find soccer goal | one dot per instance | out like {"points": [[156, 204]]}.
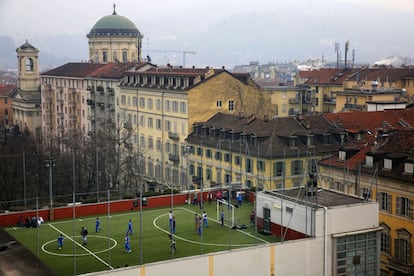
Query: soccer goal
{"points": [[228, 210]]}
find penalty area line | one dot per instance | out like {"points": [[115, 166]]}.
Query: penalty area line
{"points": [[81, 246]]}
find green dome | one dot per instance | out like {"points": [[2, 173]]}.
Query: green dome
{"points": [[114, 25]]}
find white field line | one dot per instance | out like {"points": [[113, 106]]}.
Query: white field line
{"points": [[83, 247], [248, 234]]}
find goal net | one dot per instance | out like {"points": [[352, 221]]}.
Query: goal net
{"points": [[228, 212]]}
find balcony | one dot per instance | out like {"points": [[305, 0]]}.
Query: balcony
{"points": [[294, 100], [90, 102], [401, 267], [110, 90], [173, 157], [60, 114], [59, 100], [72, 103], [73, 117], [100, 89], [91, 89], [100, 104], [173, 135], [111, 107], [72, 90], [196, 179]]}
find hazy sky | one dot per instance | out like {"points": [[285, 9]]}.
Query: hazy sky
{"points": [[225, 32]]}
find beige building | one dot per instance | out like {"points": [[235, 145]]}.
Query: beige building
{"points": [[27, 109], [160, 105], [114, 38]]}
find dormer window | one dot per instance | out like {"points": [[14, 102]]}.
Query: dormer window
{"points": [[408, 168], [342, 137], [327, 139], [359, 136], [387, 164], [253, 140], [342, 155], [310, 140], [293, 141], [369, 160]]}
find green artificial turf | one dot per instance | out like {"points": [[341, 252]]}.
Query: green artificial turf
{"points": [[105, 249]]}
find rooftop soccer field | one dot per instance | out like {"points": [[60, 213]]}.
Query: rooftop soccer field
{"points": [[105, 249]]}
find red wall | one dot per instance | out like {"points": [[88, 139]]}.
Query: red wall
{"points": [[277, 231], [81, 210]]}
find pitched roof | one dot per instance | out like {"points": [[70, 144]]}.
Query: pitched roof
{"points": [[115, 70], [326, 76], [273, 135], [75, 70], [383, 74], [7, 89], [374, 121]]}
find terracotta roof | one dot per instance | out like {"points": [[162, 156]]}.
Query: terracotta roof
{"points": [[383, 74], [6, 89], [76, 70], [372, 122]]}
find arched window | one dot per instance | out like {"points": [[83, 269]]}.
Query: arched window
{"points": [[29, 64]]}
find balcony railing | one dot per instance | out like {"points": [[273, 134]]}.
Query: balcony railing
{"points": [[174, 157], [173, 135], [294, 100]]}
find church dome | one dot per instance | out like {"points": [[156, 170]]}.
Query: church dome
{"points": [[114, 25]]}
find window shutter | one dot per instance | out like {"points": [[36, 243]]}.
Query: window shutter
{"points": [[410, 209], [397, 248], [388, 203]]}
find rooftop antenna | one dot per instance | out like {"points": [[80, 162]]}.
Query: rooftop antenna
{"points": [[337, 54], [346, 52], [353, 58]]}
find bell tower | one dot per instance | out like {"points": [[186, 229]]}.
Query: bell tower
{"points": [[28, 69]]}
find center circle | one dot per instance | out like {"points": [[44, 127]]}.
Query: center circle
{"points": [[72, 239]]}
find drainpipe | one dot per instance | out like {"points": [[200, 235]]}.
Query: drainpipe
{"points": [[325, 238]]}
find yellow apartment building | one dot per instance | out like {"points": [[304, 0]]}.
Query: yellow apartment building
{"points": [[381, 168]]}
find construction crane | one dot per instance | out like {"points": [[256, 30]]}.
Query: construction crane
{"points": [[184, 53]]}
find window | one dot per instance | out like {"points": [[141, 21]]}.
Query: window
{"points": [[124, 56], [278, 168], [384, 200], [385, 239], [115, 55], [104, 56], [219, 104], [404, 206], [123, 100], [366, 193], [356, 254], [208, 153], [284, 108], [150, 123], [408, 168], [208, 174], [158, 104], [167, 105], [327, 138], [158, 145], [29, 64], [150, 142], [183, 107], [167, 125], [249, 165], [135, 101], [158, 124], [369, 160], [293, 142], [342, 155], [237, 160], [387, 164], [199, 151], [141, 102], [310, 140], [217, 155], [296, 167], [231, 105], [175, 106], [142, 121], [227, 157], [149, 103], [402, 246], [261, 165], [5, 100]]}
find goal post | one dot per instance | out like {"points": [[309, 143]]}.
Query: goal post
{"points": [[228, 210]]}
